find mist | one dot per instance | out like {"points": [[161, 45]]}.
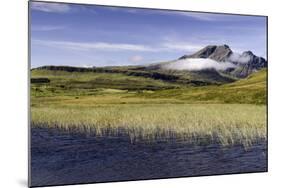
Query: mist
{"points": [[239, 58], [197, 64]]}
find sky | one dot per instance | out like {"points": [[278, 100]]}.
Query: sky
{"points": [[90, 35]]}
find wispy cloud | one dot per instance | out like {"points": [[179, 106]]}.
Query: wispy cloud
{"points": [[86, 46], [47, 28], [129, 10], [175, 42], [104, 46], [135, 58], [203, 16], [50, 7], [240, 58], [182, 46]]}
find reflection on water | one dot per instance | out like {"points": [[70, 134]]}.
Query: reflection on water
{"points": [[62, 158]]}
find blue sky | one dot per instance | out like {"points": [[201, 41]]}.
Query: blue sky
{"points": [[87, 35]]}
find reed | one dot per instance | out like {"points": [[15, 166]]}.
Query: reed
{"points": [[227, 124]]}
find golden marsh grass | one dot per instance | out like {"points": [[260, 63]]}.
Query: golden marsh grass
{"points": [[224, 123]]}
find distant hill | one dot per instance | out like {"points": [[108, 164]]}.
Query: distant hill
{"points": [[191, 78]]}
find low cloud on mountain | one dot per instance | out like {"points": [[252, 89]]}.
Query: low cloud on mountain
{"points": [[197, 64], [239, 58]]}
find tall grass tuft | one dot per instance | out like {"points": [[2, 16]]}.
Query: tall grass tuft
{"points": [[226, 124]]}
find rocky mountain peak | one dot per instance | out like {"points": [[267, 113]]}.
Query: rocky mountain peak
{"points": [[215, 52]]}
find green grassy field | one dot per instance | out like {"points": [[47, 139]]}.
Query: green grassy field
{"points": [[148, 109]]}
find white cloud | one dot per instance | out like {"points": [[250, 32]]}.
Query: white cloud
{"points": [[86, 66], [127, 9], [50, 7], [196, 64], [85, 46], [196, 15], [105, 46], [182, 46], [136, 58], [239, 58], [46, 28], [200, 16]]}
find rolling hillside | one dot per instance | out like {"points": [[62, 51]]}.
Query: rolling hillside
{"points": [[191, 78], [250, 90], [64, 83]]}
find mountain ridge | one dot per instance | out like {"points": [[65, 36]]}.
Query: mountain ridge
{"points": [[246, 63]]}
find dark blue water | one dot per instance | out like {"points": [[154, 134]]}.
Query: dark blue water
{"points": [[59, 157]]}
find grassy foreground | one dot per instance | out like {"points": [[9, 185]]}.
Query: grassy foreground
{"points": [[225, 123], [149, 109]]}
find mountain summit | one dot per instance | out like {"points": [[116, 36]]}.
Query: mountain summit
{"points": [[217, 53], [244, 64]]}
